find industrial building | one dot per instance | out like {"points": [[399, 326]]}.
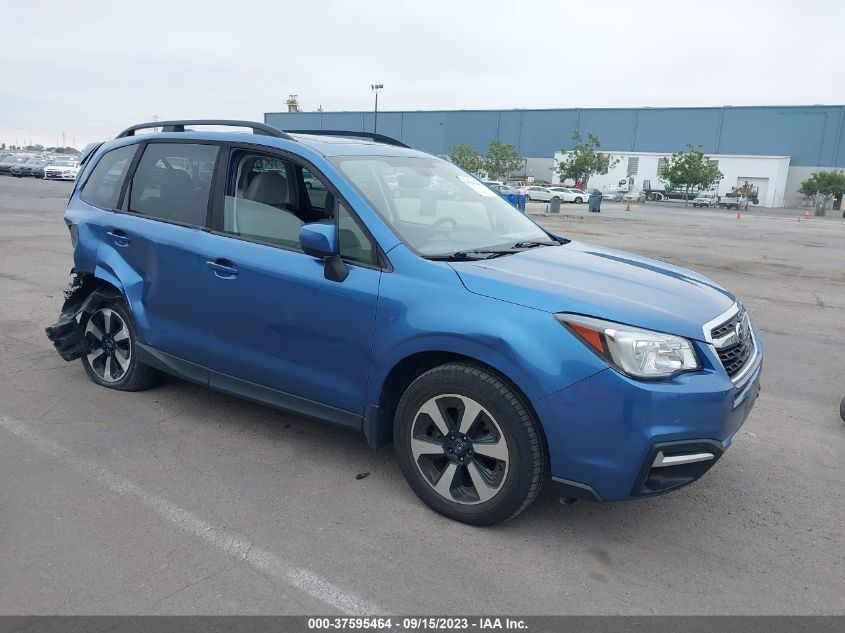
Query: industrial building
{"points": [[775, 147]]}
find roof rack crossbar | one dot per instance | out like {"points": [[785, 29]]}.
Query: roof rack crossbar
{"points": [[379, 138], [179, 126]]}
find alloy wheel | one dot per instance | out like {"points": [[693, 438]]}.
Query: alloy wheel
{"points": [[459, 449], [109, 345]]}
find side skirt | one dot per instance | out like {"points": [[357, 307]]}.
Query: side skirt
{"points": [[281, 400]]}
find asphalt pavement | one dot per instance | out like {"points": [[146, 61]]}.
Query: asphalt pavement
{"points": [[181, 500]]}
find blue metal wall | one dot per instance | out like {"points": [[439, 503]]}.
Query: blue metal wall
{"points": [[814, 136]]}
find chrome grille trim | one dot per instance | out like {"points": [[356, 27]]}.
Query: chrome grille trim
{"points": [[726, 338]]}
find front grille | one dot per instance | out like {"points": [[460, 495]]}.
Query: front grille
{"points": [[722, 330], [734, 342], [734, 358]]}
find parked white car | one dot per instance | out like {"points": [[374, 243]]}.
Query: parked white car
{"points": [[62, 169], [634, 196], [612, 195], [538, 193], [706, 199], [570, 194]]}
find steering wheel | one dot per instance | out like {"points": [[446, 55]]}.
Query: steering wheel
{"points": [[438, 224]]}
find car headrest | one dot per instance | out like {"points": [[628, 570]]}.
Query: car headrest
{"points": [[268, 187]]}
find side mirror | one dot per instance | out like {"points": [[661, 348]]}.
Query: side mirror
{"points": [[322, 241]]}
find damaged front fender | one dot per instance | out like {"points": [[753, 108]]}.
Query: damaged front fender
{"points": [[84, 294]]}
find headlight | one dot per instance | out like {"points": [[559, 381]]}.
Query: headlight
{"points": [[635, 352]]}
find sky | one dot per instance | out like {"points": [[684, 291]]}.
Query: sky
{"points": [[90, 68]]}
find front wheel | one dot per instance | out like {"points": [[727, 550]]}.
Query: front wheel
{"points": [[112, 360], [468, 444]]}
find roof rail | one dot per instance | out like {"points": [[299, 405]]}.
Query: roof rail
{"points": [[179, 126], [379, 138]]}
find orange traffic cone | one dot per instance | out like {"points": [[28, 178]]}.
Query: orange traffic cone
{"points": [[798, 220], [738, 216], [806, 214], [628, 207]]}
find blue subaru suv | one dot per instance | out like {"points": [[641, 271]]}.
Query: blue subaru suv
{"points": [[348, 278]]}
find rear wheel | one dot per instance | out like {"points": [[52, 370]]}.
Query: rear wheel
{"points": [[579, 200], [468, 444], [111, 360]]}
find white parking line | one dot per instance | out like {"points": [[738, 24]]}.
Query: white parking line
{"points": [[220, 538]]}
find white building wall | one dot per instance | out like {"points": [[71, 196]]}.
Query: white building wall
{"points": [[771, 172]]}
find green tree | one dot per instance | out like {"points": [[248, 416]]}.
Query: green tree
{"points": [[501, 160], [584, 159], [824, 185], [689, 170], [465, 157]]}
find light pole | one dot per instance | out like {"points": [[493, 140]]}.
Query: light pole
{"points": [[376, 89]]}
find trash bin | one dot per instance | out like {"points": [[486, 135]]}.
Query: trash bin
{"points": [[594, 202], [516, 199], [554, 205]]}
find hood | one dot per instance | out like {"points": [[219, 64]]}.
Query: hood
{"points": [[601, 282]]}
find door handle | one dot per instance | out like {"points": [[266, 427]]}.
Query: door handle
{"points": [[120, 238], [223, 268]]}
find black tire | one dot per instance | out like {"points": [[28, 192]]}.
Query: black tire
{"points": [[136, 376], [520, 477], [842, 409], [579, 200]]}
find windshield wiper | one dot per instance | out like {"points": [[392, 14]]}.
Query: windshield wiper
{"points": [[490, 253], [534, 244], [485, 253]]}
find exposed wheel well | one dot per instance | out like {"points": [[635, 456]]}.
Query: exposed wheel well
{"points": [[87, 283], [83, 295], [404, 373]]}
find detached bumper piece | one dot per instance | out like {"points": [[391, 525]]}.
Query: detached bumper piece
{"points": [[66, 334], [670, 465]]}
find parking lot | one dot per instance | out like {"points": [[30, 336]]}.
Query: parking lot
{"points": [[184, 500]]}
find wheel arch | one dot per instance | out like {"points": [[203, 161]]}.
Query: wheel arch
{"points": [[378, 423], [86, 292]]}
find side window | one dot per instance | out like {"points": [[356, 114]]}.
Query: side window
{"points": [[355, 246], [262, 204], [318, 195], [173, 181], [103, 186]]}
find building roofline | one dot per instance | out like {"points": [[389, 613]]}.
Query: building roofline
{"points": [[575, 109]]}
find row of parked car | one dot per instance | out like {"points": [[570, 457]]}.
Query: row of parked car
{"points": [[39, 165], [536, 193]]}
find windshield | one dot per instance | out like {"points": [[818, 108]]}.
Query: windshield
{"points": [[435, 207], [64, 163]]}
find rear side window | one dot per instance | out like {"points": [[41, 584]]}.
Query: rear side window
{"points": [[172, 182], [103, 186]]}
